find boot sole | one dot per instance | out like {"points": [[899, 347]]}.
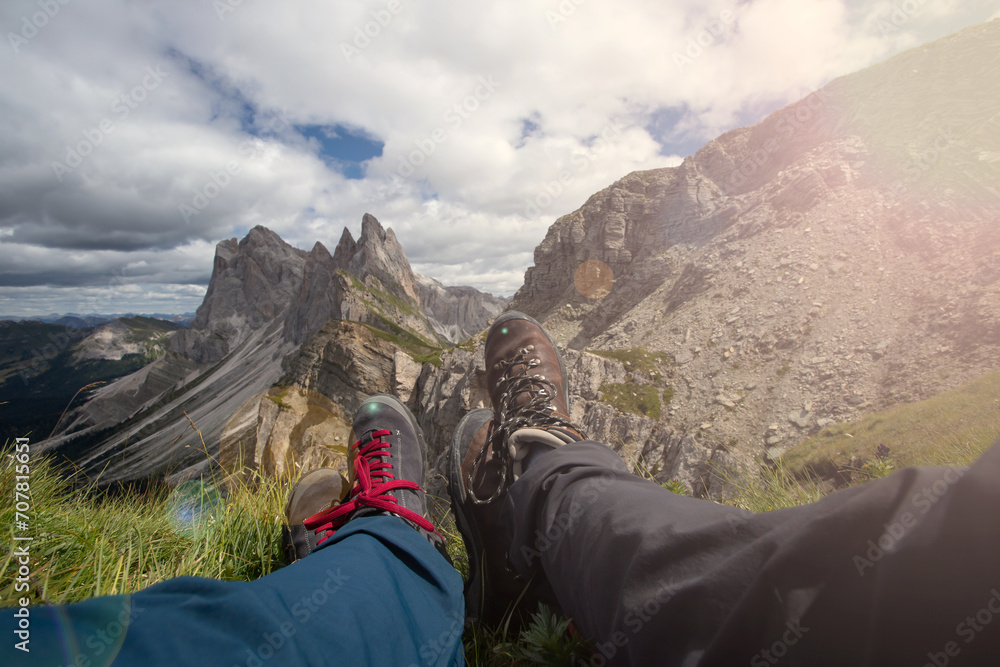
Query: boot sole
{"points": [[459, 497]]}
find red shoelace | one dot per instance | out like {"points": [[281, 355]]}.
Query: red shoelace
{"points": [[373, 482]]}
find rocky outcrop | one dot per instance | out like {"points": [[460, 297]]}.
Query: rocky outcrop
{"points": [[456, 313], [379, 255], [253, 282], [284, 431], [121, 338], [650, 446]]}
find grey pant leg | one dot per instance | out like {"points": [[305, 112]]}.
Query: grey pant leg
{"points": [[904, 570]]}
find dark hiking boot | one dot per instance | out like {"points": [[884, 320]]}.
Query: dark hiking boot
{"points": [[386, 466], [527, 386], [318, 490]]}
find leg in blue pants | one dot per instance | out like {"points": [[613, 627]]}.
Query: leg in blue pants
{"points": [[376, 593]]}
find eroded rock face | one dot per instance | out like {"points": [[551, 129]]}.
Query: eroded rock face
{"points": [[651, 447], [253, 283], [842, 253], [284, 431], [344, 361], [457, 313]]}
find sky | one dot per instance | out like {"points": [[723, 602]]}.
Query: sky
{"points": [[137, 134]]}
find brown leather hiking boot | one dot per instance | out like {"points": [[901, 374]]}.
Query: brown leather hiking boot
{"points": [[526, 382], [316, 491]]}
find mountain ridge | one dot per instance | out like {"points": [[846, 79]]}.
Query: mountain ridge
{"points": [[265, 300]]}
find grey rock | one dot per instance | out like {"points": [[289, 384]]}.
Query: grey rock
{"points": [[800, 418], [456, 313], [683, 356]]}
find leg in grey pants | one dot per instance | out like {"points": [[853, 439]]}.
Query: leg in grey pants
{"points": [[903, 570]]}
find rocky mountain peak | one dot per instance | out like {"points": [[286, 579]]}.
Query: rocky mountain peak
{"points": [[319, 251], [260, 237], [378, 254], [345, 248], [371, 229]]}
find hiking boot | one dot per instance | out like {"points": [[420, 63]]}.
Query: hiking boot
{"points": [[526, 382], [386, 466], [318, 490]]}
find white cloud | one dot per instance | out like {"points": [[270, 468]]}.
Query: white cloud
{"points": [[170, 91]]}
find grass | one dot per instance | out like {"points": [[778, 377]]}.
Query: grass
{"points": [[279, 400], [638, 359], [418, 349], [88, 544], [953, 427], [638, 399]]}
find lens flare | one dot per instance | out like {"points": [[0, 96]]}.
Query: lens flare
{"points": [[593, 279], [193, 507]]}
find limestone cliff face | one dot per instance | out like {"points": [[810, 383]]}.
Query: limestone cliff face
{"points": [[841, 256], [378, 254], [253, 282], [457, 313]]}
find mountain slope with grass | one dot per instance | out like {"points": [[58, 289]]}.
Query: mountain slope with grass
{"points": [[43, 366]]}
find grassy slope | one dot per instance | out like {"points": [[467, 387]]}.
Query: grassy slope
{"points": [[953, 427]]}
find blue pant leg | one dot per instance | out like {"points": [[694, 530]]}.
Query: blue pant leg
{"points": [[377, 594]]}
